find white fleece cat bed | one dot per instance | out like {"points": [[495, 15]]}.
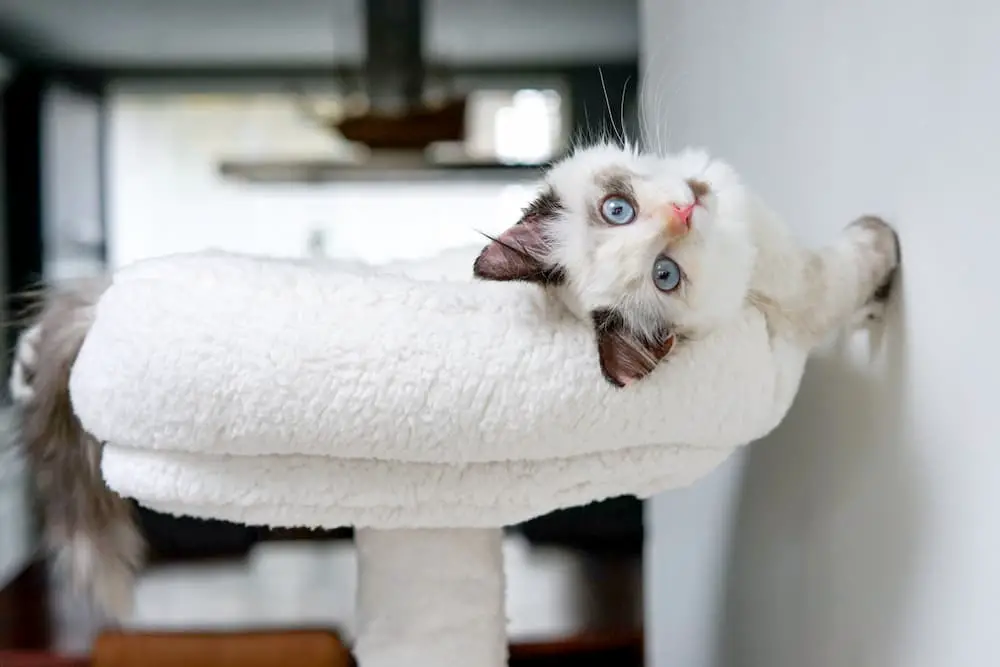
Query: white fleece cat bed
{"points": [[426, 414], [371, 400]]}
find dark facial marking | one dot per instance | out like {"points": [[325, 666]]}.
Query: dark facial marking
{"points": [[617, 183], [626, 357], [698, 188], [520, 253], [546, 205], [612, 182]]}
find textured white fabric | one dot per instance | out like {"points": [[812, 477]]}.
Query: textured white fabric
{"points": [[288, 393], [404, 574], [321, 491]]}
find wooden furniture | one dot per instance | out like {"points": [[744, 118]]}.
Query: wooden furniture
{"points": [[316, 648], [40, 659], [303, 648]]}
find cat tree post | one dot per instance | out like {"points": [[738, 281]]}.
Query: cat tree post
{"points": [[430, 597]]}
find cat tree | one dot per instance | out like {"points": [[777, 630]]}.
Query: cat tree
{"points": [[426, 413]]}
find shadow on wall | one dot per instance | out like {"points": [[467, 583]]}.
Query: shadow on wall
{"points": [[821, 527]]}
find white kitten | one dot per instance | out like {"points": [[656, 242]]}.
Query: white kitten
{"points": [[656, 249]]}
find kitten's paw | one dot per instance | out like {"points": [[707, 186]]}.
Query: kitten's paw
{"points": [[882, 245], [870, 313]]}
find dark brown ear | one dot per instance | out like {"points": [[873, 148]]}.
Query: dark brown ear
{"points": [[520, 253], [626, 357]]}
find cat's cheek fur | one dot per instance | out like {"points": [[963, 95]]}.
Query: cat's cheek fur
{"points": [[719, 272]]}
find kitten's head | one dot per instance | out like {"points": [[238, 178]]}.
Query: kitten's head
{"points": [[648, 248]]}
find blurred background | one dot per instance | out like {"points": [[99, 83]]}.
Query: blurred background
{"points": [[375, 130]]}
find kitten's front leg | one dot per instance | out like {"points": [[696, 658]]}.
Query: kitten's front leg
{"points": [[848, 281]]}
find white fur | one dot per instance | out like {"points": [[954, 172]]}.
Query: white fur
{"points": [[611, 266], [737, 250]]}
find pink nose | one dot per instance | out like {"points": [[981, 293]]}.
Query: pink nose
{"points": [[683, 212]]}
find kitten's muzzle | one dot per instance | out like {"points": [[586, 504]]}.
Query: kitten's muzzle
{"points": [[677, 219]]}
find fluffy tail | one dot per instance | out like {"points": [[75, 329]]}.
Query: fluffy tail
{"points": [[91, 531]]}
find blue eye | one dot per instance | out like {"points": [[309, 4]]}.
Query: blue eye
{"points": [[666, 274], [617, 210]]}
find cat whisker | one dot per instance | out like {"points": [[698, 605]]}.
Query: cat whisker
{"points": [[607, 102], [520, 251], [621, 107]]}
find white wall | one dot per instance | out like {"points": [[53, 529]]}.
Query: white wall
{"points": [[866, 528]]}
